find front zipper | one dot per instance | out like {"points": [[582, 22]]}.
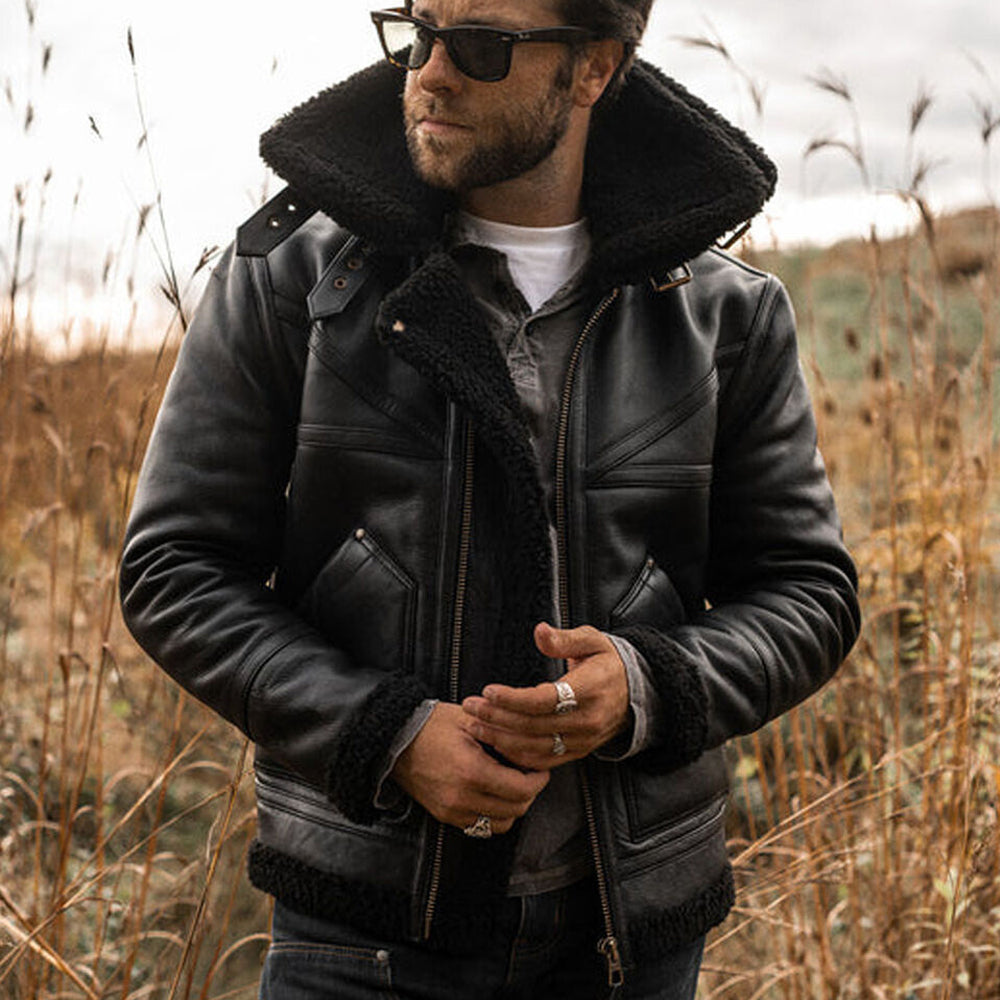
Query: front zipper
{"points": [[456, 655], [608, 946]]}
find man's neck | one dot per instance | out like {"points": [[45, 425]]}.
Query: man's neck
{"points": [[518, 208]]}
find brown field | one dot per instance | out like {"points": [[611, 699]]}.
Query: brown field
{"points": [[863, 826]]}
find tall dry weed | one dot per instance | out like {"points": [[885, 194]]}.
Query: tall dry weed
{"points": [[125, 815], [866, 834]]}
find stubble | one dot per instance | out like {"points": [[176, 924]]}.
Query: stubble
{"points": [[507, 143]]}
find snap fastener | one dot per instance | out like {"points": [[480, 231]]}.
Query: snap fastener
{"points": [[399, 326], [382, 956], [649, 564], [292, 208], [360, 534], [274, 222]]}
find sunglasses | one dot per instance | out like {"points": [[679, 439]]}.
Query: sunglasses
{"points": [[479, 52]]}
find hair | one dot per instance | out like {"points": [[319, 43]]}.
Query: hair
{"points": [[622, 20]]}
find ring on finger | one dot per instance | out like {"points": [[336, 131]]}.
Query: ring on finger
{"points": [[558, 745], [565, 697], [481, 829]]}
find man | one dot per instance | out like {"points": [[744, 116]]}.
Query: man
{"points": [[485, 499]]}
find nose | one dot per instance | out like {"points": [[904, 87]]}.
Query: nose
{"points": [[439, 72]]}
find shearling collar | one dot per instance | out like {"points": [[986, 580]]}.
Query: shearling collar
{"points": [[666, 176]]}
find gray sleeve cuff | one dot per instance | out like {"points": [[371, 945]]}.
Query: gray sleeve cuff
{"points": [[643, 701], [389, 797]]}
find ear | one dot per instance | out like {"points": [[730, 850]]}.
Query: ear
{"points": [[595, 68]]}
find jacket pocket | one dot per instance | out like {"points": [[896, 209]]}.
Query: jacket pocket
{"points": [[651, 599], [365, 603], [665, 806]]}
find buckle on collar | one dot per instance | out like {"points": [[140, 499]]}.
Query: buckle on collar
{"points": [[672, 279], [737, 235]]}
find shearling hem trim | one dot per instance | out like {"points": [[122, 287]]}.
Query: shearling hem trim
{"points": [[656, 934], [682, 724], [356, 767], [464, 926], [382, 911], [318, 894]]}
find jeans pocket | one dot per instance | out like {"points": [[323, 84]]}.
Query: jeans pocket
{"points": [[305, 970]]}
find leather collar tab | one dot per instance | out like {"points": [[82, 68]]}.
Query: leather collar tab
{"points": [[341, 281]]}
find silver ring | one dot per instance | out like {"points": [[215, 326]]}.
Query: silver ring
{"points": [[558, 745], [565, 698], [482, 829]]}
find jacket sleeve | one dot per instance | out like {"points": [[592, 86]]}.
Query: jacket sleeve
{"points": [[204, 537], [782, 610]]}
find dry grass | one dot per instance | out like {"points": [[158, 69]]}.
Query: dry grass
{"points": [[124, 811], [864, 826]]}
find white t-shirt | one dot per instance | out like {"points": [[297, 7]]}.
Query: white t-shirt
{"points": [[541, 259]]}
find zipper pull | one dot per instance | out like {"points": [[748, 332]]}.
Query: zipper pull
{"points": [[608, 947]]}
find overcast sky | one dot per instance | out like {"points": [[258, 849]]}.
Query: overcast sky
{"points": [[214, 73]]}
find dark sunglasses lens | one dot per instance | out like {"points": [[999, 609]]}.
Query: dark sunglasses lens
{"points": [[478, 53], [406, 45]]}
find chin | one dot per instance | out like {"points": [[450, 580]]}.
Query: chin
{"points": [[436, 170]]}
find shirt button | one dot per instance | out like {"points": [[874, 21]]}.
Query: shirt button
{"points": [[382, 956]]}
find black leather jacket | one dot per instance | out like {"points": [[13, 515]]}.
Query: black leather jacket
{"points": [[339, 513]]}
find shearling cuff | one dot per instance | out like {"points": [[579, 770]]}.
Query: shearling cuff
{"points": [[357, 765], [681, 726]]}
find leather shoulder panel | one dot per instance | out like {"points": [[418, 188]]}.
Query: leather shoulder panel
{"points": [[272, 224]]}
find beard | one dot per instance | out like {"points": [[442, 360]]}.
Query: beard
{"points": [[507, 142]]}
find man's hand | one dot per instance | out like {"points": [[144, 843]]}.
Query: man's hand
{"points": [[521, 722], [456, 781]]}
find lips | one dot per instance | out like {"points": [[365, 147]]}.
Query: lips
{"points": [[440, 126]]}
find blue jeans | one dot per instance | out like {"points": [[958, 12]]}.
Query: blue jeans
{"points": [[550, 953]]}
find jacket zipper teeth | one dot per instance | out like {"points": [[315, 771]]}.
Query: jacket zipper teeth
{"points": [[456, 653], [608, 945], [561, 442]]}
